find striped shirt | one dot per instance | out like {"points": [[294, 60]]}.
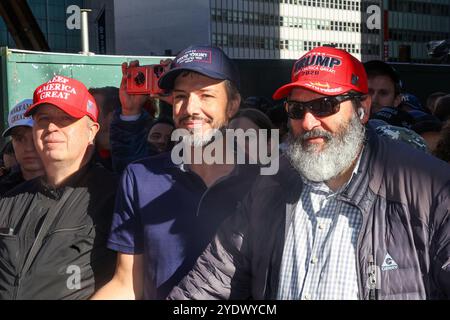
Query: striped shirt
{"points": [[319, 256]]}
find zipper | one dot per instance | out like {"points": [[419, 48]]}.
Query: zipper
{"points": [[201, 200], [65, 230], [16, 286], [372, 280]]}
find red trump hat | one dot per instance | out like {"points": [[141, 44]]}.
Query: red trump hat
{"points": [[328, 71]]}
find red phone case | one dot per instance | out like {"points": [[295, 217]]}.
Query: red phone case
{"points": [[144, 79]]}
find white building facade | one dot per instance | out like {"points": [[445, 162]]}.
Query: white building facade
{"points": [[286, 29], [395, 30], [244, 29]]}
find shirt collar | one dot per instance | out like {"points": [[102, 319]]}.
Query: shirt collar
{"points": [[355, 169], [71, 181]]}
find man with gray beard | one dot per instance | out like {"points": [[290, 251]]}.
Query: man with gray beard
{"points": [[349, 215], [341, 150]]}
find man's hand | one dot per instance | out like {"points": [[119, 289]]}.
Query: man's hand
{"points": [[131, 104], [127, 282]]}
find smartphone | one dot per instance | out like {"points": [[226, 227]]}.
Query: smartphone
{"points": [[144, 79]]}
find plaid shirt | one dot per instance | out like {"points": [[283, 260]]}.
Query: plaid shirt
{"points": [[319, 257]]}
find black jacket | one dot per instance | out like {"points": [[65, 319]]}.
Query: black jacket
{"points": [[129, 140], [10, 181], [404, 198], [73, 259]]}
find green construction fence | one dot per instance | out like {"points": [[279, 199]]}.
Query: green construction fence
{"points": [[22, 71]]}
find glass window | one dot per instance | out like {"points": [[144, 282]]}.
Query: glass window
{"points": [[57, 12], [245, 17]]}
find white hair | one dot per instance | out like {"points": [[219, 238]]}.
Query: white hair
{"points": [[337, 155]]}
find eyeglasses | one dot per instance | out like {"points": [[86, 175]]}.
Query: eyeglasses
{"points": [[322, 107]]}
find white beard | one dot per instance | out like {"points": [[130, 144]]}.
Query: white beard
{"points": [[337, 155]]}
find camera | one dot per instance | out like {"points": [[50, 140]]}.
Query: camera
{"points": [[144, 79]]}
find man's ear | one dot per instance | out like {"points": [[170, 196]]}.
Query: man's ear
{"points": [[93, 129], [233, 106]]}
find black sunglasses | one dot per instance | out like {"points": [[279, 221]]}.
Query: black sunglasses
{"points": [[322, 107]]}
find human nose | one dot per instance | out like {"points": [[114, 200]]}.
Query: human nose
{"points": [[309, 121], [29, 144], [52, 126], [193, 105], [375, 98]]}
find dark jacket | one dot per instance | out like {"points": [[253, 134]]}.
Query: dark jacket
{"points": [[104, 159], [74, 249], [128, 140], [404, 198], [10, 180]]}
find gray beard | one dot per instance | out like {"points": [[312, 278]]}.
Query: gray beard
{"points": [[198, 139], [338, 154]]}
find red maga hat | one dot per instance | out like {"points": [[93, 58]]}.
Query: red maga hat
{"points": [[328, 71], [67, 94]]}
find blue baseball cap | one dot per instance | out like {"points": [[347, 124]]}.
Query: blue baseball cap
{"points": [[206, 60], [425, 122], [394, 116], [17, 118], [413, 102]]}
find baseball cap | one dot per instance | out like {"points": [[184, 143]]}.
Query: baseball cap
{"points": [[394, 117], [67, 94], [206, 60], [412, 101], [380, 67], [424, 122], [328, 71], [16, 117]]}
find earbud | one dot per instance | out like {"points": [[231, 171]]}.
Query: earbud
{"points": [[361, 113]]}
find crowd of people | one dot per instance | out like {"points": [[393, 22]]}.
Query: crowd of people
{"points": [[93, 204]]}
